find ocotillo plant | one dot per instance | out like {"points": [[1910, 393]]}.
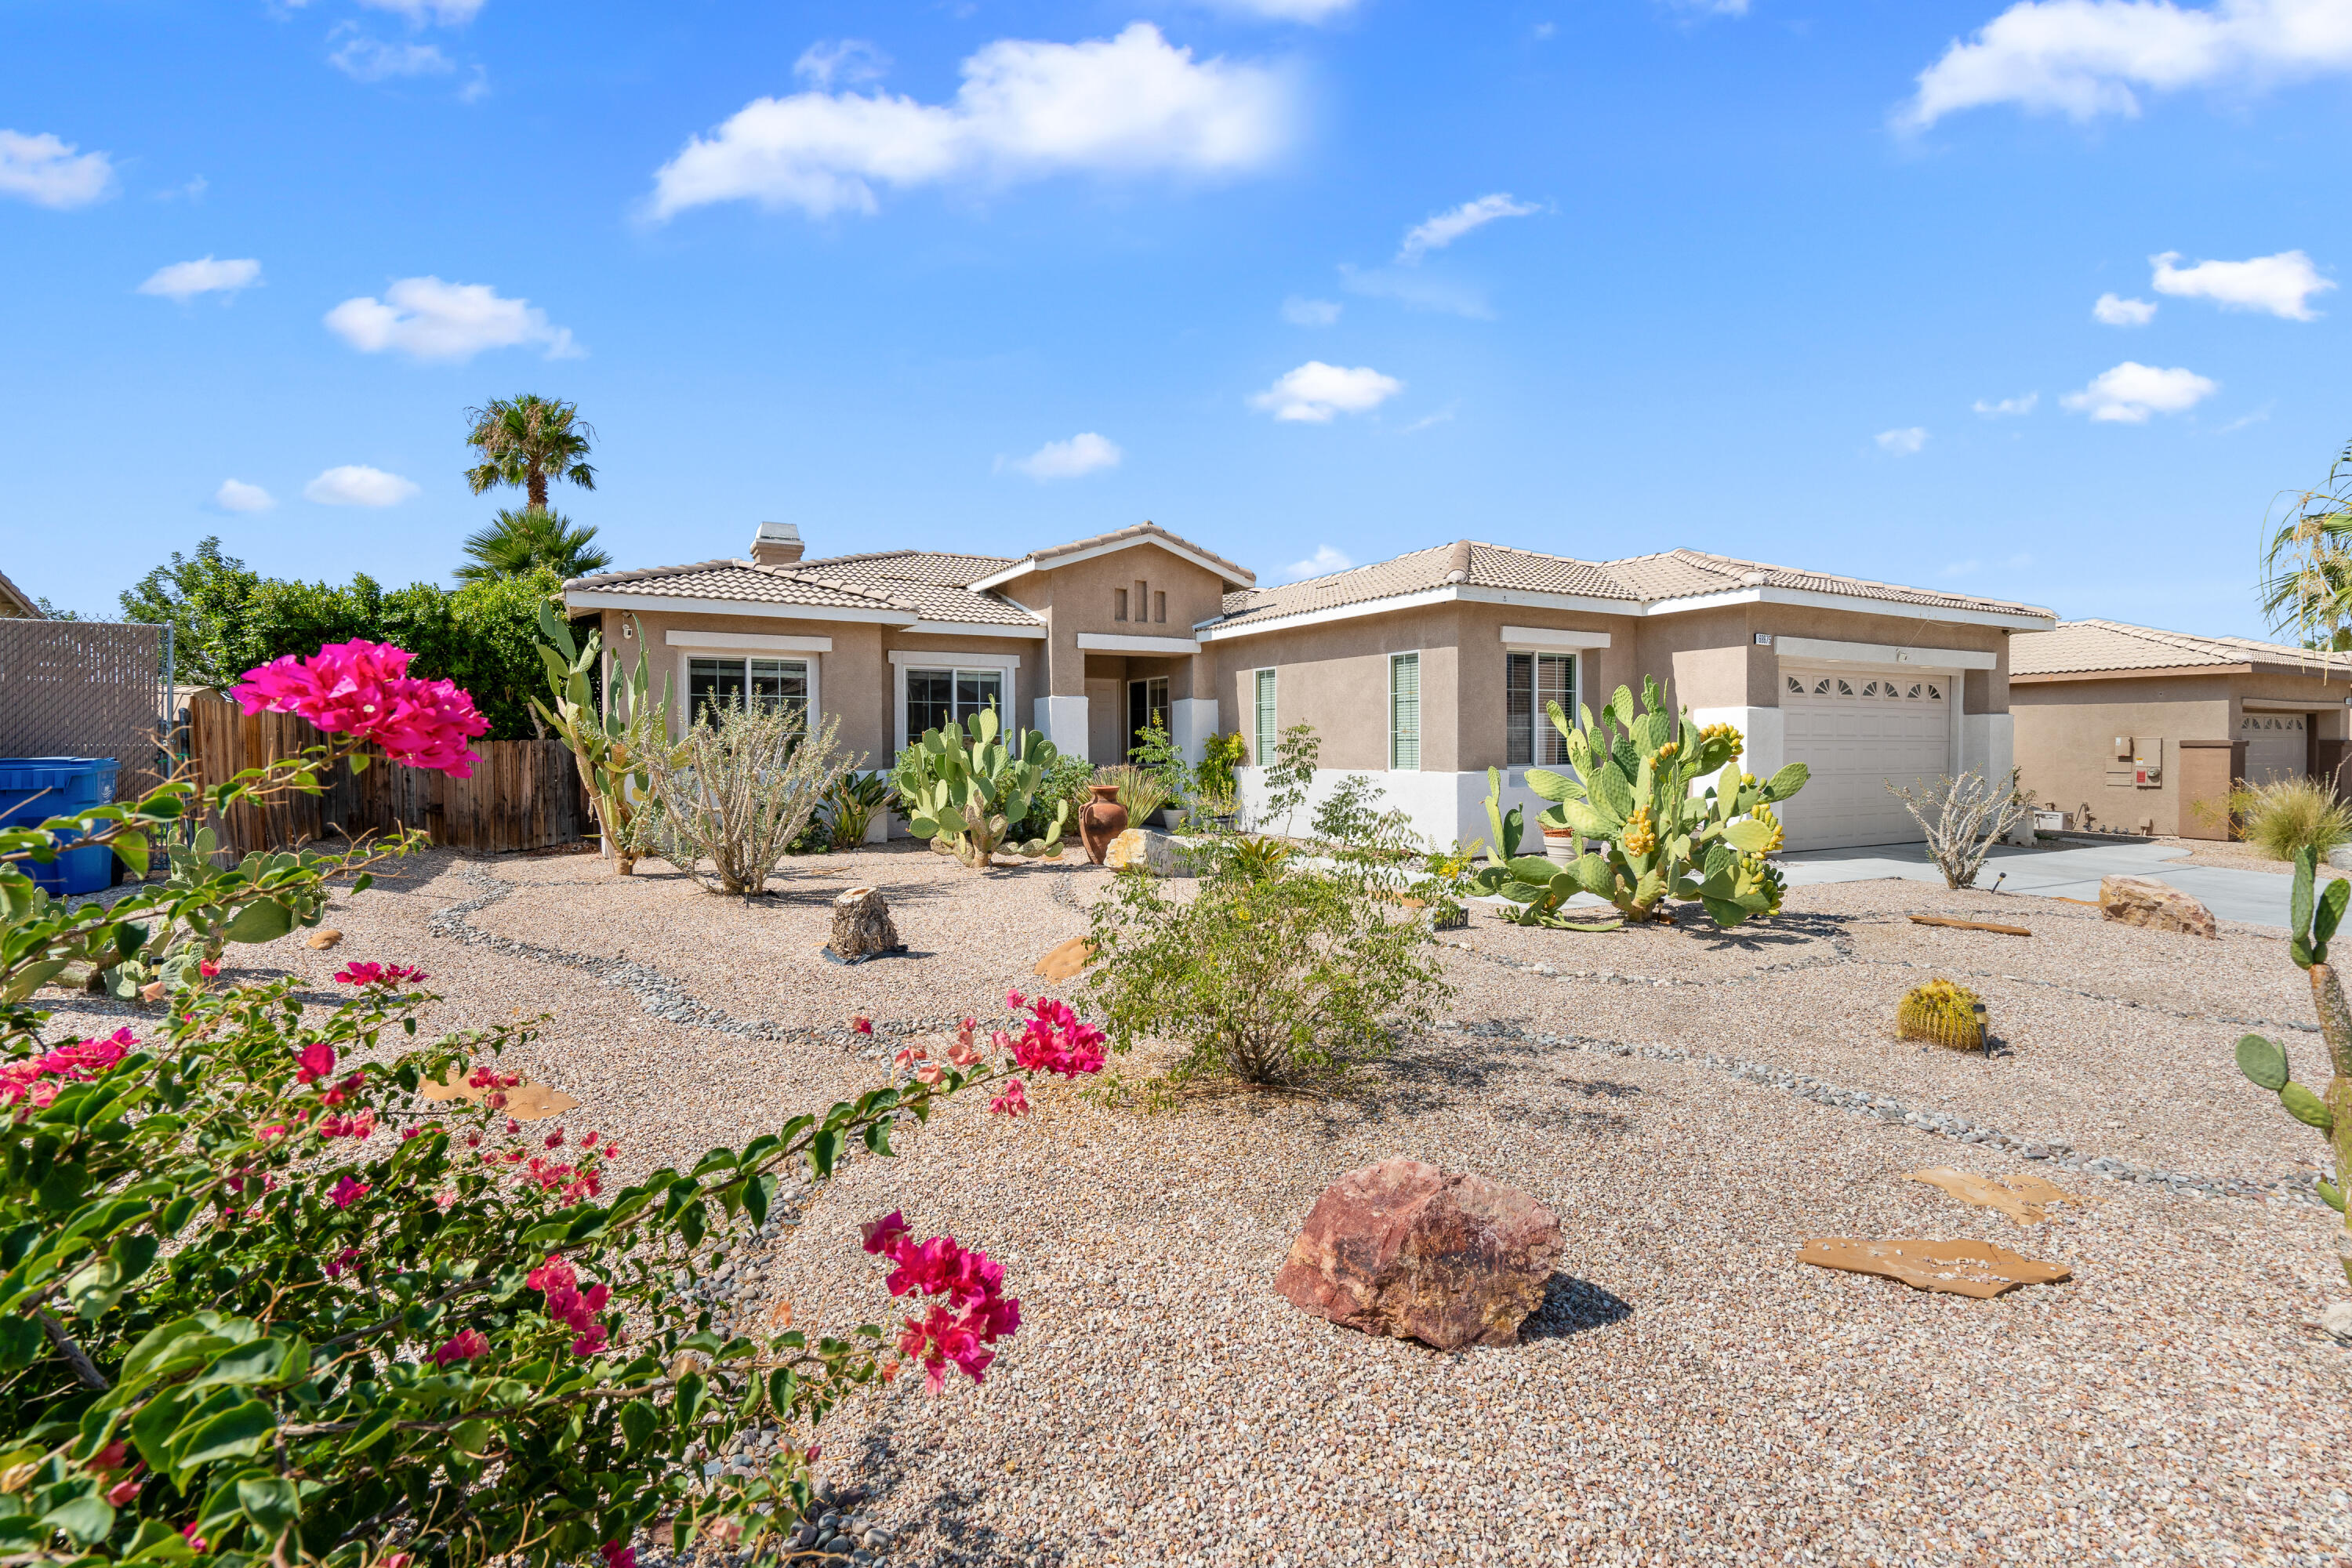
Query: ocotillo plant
{"points": [[604, 741], [2310, 922]]}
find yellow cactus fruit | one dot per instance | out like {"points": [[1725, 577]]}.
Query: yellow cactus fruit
{"points": [[1748, 781], [1715, 732], [1763, 814], [1640, 833], [1943, 1013], [1670, 751]]}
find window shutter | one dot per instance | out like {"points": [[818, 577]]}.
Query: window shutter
{"points": [[1265, 725], [1405, 710]]}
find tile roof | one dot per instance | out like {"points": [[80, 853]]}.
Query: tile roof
{"points": [[2086, 647], [1045, 559], [923, 584], [1642, 579]]}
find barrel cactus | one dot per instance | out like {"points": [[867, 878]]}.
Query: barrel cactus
{"points": [[969, 791], [2311, 921], [1667, 797], [1943, 1013]]}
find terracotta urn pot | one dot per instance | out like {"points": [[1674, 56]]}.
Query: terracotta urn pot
{"points": [[1100, 820]]}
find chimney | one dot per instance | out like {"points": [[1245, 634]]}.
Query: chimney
{"points": [[776, 544]]}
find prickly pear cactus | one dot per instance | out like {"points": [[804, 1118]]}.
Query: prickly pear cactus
{"points": [[2311, 922], [1637, 787], [1943, 1013], [969, 789]]}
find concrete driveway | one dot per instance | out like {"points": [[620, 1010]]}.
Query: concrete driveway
{"points": [[2259, 897]]}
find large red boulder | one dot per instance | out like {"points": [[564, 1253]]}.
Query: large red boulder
{"points": [[1408, 1249]]}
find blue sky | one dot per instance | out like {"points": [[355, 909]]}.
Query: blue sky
{"points": [[1751, 278]]}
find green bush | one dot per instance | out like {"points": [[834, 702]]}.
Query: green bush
{"points": [[1218, 787], [1270, 973], [2282, 818], [1140, 790]]}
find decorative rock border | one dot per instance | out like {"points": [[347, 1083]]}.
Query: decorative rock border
{"points": [[2301, 1188]]}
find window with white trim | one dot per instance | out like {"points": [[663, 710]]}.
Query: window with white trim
{"points": [[765, 682], [1405, 710], [1263, 731], [1532, 682], [935, 696]]}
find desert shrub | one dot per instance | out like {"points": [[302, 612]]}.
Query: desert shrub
{"points": [[1963, 818], [238, 1328], [2282, 818], [1270, 973], [848, 809], [1156, 753], [1140, 790], [1214, 779], [1065, 784], [1290, 778], [737, 789]]}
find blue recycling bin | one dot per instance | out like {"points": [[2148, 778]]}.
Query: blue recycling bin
{"points": [[34, 789]]}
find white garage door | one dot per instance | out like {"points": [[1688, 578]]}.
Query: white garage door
{"points": [[2275, 747], [1857, 732]]}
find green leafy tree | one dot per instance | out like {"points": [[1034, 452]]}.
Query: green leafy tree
{"points": [[518, 544], [2306, 582], [528, 441], [202, 597]]}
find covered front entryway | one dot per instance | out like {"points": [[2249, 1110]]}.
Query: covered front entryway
{"points": [[2278, 746], [1858, 731]]}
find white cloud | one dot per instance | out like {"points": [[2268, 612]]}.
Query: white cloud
{"points": [[1081, 454], [356, 484], [49, 174], [1903, 443], [1026, 110], [1442, 416], [1315, 392], [2007, 405], [370, 59], [1290, 10], [851, 60], [2128, 393], [1419, 289], [1322, 563], [235, 495], [2087, 57], [1300, 311], [2115, 310], [448, 13], [184, 281], [426, 319], [2281, 284], [1447, 226]]}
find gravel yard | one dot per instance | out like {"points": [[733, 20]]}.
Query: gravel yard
{"points": [[1694, 1104]]}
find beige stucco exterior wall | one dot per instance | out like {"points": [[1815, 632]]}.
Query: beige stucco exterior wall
{"points": [[1335, 676], [1081, 597], [2066, 732]]}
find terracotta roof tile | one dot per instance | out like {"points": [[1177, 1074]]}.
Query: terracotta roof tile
{"points": [[923, 584], [1045, 558], [2088, 647]]}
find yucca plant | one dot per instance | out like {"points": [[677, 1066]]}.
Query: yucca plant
{"points": [[1636, 788], [2311, 921]]}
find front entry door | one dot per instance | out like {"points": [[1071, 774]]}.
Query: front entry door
{"points": [[1147, 704]]}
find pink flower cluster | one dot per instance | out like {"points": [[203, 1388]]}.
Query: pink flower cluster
{"points": [[463, 1345], [36, 1080], [568, 1305], [360, 1126], [1054, 1040], [974, 1314], [380, 974], [364, 689]]}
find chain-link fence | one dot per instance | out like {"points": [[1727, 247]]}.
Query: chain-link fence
{"points": [[88, 688]]}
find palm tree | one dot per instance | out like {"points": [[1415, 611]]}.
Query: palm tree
{"points": [[517, 541], [527, 441], [2306, 584]]}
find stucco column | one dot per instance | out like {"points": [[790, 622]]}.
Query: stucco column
{"points": [[1062, 712]]}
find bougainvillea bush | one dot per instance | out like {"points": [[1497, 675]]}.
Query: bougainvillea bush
{"points": [[264, 1303]]}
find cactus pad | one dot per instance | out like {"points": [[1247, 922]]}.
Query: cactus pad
{"points": [[1947, 1013]]}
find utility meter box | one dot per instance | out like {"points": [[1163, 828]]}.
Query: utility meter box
{"points": [[2138, 763]]}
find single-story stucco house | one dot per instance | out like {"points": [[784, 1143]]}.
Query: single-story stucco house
{"points": [[2144, 730], [1422, 671]]}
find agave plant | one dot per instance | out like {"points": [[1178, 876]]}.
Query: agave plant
{"points": [[1637, 788], [966, 792]]}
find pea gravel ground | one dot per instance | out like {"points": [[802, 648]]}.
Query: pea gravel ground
{"points": [[1687, 1393]]}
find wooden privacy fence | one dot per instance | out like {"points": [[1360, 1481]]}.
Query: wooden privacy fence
{"points": [[524, 794]]}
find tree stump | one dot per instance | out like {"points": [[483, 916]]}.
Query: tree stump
{"points": [[861, 924]]}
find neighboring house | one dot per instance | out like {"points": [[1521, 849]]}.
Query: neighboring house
{"points": [[2144, 730], [15, 605], [1422, 671]]}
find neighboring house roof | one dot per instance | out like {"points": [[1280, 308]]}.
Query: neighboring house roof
{"points": [[1637, 582], [925, 586], [2090, 647], [16, 603], [1120, 539]]}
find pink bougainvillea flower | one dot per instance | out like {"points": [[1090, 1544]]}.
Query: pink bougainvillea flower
{"points": [[962, 1053], [1057, 1040], [341, 1261], [512, 1125], [111, 1457], [1012, 1000], [408, 1132], [208, 969], [121, 1492], [617, 1555], [863, 1025], [195, 1542], [590, 1343], [463, 1345], [275, 1130], [364, 689], [882, 1235], [929, 1072], [1013, 1101], [553, 1140], [588, 1141], [347, 1192], [314, 1061]]}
